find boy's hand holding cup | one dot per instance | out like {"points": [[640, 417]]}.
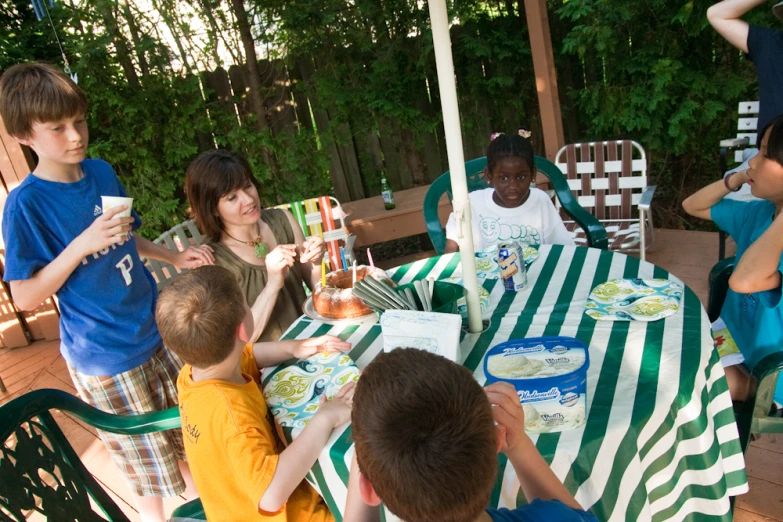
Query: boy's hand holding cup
{"points": [[110, 228]]}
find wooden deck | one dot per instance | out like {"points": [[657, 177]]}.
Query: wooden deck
{"points": [[689, 255]]}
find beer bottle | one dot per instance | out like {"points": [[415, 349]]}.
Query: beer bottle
{"points": [[388, 195]]}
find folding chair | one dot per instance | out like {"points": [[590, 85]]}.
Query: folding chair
{"points": [[744, 148], [324, 216], [609, 179]]}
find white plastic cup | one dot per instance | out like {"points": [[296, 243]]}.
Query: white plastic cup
{"points": [[108, 202]]}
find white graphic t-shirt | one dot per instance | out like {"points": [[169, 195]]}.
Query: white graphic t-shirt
{"points": [[535, 222]]}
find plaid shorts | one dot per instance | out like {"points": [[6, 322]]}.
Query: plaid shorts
{"points": [[148, 462]]}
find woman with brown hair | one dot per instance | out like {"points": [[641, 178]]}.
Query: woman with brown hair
{"points": [[264, 249]]}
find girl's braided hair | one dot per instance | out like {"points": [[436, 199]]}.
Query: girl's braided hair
{"points": [[510, 145]]}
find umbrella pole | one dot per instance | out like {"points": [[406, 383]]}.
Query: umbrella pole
{"points": [[448, 98]]}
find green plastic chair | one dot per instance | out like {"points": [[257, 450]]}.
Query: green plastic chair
{"points": [[752, 415], [41, 472], [474, 169]]}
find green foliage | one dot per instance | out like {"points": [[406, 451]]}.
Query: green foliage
{"points": [[652, 71], [669, 82]]}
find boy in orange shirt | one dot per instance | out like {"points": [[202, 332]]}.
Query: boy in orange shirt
{"points": [[240, 468]]}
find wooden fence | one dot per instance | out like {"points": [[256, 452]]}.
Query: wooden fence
{"points": [[357, 152]]}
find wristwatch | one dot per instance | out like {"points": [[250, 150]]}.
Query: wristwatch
{"points": [[726, 183]]}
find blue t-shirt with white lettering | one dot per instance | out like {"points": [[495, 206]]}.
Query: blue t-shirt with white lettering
{"points": [[541, 511], [107, 305], [754, 320]]}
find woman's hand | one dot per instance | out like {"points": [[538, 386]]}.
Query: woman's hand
{"points": [[278, 261], [312, 250], [325, 343], [195, 256]]}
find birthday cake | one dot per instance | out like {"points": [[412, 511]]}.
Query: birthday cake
{"points": [[336, 300]]}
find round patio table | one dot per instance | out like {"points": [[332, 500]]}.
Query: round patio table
{"points": [[659, 442]]}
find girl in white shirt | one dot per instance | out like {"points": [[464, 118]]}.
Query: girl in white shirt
{"points": [[510, 210]]}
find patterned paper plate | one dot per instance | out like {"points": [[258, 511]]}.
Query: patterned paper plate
{"points": [[634, 300], [309, 311], [293, 393], [487, 260]]}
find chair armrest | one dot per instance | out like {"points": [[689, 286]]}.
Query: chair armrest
{"points": [[37, 402], [647, 197], [594, 230], [719, 286], [732, 143], [770, 364], [765, 372]]}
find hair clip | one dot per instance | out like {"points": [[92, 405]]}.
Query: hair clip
{"points": [[525, 133], [494, 135]]}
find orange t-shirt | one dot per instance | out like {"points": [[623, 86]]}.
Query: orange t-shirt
{"points": [[232, 449]]}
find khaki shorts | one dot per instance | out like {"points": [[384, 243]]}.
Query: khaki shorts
{"points": [[148, 462]]}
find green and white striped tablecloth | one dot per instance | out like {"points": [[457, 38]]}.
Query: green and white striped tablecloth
{"points": [[659, 443]]}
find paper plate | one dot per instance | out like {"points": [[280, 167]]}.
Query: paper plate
{"points": [[634, 300], [293, 393], [309, 310]]}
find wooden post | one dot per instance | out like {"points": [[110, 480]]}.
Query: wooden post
{"points": [[16, 162], [546, 76]]}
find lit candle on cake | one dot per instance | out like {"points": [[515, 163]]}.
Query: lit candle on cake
{"points": [[323, 272], [354, 273]]}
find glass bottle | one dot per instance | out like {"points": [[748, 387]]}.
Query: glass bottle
{"points": [[388, 195]]}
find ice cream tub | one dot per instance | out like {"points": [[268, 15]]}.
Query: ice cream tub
{"points": [[550, 376]]}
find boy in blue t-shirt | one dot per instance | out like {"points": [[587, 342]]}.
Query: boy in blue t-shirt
{"points": [[59, 242], [426, 446], [752, 310]]}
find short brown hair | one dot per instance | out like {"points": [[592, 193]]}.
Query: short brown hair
{"points": [[209, 177], [199, 313], [425, 436], [37, 92]]}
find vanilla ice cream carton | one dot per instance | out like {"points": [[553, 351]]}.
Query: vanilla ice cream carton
{"points": [[550, 376]]}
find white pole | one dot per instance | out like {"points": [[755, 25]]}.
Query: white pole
{"points": [[459, 185]]}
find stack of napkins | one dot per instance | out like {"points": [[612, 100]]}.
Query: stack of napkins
{"points": [[434, 332], [293, 392]]}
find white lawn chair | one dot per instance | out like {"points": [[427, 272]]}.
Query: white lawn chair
{"points": [[179, 238], [609, 179], [744, 148]]}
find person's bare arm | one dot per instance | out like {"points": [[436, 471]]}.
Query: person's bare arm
{"points": [[297, 459], [278, 262], [700, 203], [726, 18], [758, 268], [272, 353], [105, 231], [191, 257], [535, 476], [451, 246]]}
